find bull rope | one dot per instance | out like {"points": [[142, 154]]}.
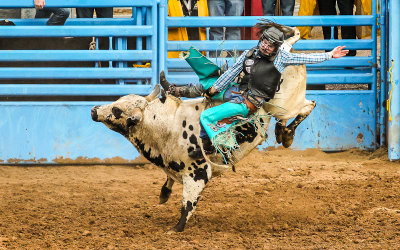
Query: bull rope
{"points": [[226, 143]]}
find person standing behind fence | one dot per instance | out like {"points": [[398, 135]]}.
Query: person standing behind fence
{"points": [[225, 8], [57, 16], [328, 7], [287, 7], [100, 12]]}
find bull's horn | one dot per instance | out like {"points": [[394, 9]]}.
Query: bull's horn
{"points": [[154, 94]]}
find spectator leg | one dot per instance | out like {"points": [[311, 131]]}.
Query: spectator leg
{"points": [[327, 7], [233, 8], [268, 7], [287, 7], [59, 16], [104, 12], [84, 12], [43, 13], [348, 32], [216, 8]]}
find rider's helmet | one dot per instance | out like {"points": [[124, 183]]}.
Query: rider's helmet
{"points": [[274, 36]]}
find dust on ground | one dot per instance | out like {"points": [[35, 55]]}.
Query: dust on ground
{"points": [[276, 199]]}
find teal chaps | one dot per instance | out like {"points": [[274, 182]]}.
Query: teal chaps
{"points": [[220, 118]]}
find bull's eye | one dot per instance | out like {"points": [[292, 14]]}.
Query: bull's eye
{"points": [[116, 112]]}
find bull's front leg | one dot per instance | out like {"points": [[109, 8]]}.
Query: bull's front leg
{"points": [[166, 190], [193, 184]]}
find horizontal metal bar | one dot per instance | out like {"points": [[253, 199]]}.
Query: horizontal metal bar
{"points": [[75, 73], [77, 21], [312, 78], [365, 44], [249, 21], [342, 92], [73, 90], [354, 61], [75, 31], [76, 3], [74, 55]]}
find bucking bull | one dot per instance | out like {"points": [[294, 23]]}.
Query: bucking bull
{"points": [[165, 129]]}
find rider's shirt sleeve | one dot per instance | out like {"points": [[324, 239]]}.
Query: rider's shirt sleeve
{"points": [[285, 58], [229, 76]]}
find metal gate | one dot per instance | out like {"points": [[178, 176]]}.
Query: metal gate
{"points": [[60, 129], [343, 119]]}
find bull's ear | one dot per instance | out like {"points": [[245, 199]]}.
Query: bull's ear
{"points": [[154, 94]]}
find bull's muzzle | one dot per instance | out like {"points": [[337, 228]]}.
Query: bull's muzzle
{"points": [[93, 112]]}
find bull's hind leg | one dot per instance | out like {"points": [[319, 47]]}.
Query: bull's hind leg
{"points": [[166, 190], [193, 185], [279, 129], [289, 131]]}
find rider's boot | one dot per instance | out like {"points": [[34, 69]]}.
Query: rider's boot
{"points": [[208, 148], [172, 89]]}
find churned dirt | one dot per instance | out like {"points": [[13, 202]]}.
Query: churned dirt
{"points": [[277, 199]]}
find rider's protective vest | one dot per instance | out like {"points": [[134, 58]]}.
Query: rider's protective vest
{"points": [[260, 75]]}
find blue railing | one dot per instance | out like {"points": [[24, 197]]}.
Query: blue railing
{"points": [[142, 26]]}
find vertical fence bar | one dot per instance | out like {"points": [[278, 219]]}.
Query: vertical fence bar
{"points": [[394, 70], [374, 70], [139, 40], [383, 58], [154, 47], [163, 31]]}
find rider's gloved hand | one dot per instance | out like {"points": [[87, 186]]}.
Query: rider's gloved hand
{"points": [[209, 93]]}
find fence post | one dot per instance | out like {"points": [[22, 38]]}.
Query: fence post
{"points": [[162, 38], [393, 78]]}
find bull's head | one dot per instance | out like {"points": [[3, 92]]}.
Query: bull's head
{"points": [[124, 113]]}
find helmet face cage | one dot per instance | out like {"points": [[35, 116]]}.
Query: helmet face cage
{"points": [[273, 35]]}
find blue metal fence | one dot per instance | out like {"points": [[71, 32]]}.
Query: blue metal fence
{"points": [[49, 132], [142, 26]]}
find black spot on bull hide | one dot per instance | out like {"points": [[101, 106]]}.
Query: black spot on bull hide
{"points": [[175, 166], [193, 139], [184, 135], [184, 123], [158, 160], [201, 174], [247, 133]]}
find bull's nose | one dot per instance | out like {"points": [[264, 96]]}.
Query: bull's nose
{"points": [[116, 112], [94, 113]]}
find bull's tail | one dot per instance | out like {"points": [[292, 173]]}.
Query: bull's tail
{"points": [[220, 167]]}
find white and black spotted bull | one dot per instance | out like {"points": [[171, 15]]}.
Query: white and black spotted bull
{"points": [[164, 130]]}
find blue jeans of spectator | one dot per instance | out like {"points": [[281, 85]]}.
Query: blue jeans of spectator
{"points": [[58, 16], [100, 12], [225, 8], [287, 7]]}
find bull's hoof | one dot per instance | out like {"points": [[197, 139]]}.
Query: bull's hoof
{"points": [[278, 132], [163, 81], [165, 194], [163, 199], [175, 229], [288, 137]]}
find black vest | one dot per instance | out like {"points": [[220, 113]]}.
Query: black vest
{"points": [[261, 77]]}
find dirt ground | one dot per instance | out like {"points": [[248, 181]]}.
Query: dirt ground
{"points": [[277, 199]]}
